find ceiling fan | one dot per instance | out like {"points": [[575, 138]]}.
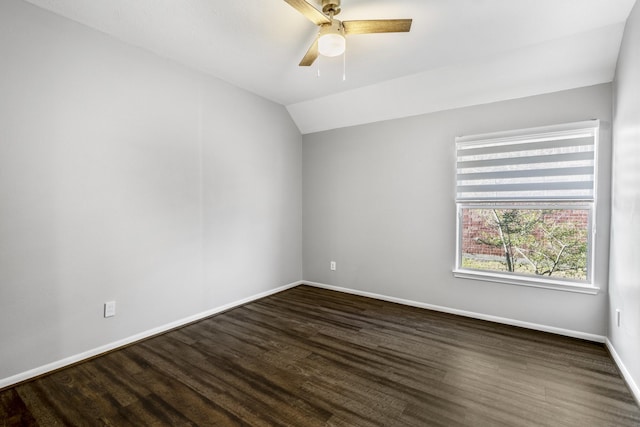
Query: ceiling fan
{"points": [[331, 37]]}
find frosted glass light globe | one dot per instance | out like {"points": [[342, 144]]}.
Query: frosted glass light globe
{"points": [[331, 45]]}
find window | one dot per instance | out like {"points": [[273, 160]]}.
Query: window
{"points": [[526, 206]]}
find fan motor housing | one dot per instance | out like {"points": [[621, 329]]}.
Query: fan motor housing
{"points": [[335, 27]]}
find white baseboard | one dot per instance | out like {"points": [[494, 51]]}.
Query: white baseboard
{"points": [[41, 370], [481, 316], [635, 390]]}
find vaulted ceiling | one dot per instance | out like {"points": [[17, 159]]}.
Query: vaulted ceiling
{"points": [[458, 53]]}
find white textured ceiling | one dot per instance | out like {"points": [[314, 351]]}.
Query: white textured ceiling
{"points": [[459, 52]]}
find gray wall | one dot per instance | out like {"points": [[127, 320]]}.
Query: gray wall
{"points": [[126, 176], [624, 282], [379, 200]]}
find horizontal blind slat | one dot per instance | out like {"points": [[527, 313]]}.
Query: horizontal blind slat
{"points": [[526, 173], [555, 158], [539, 186], [514, 148]]}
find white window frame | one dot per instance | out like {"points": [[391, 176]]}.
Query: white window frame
{"points": [[588, 203]]}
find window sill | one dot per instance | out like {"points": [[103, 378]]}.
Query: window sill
{"points": [[526, 281]]}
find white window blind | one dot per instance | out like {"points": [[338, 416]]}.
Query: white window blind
{"points": [[551, 164]]}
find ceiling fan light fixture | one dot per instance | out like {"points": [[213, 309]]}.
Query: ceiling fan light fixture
{"points": [[331, 45], [331, 41]]}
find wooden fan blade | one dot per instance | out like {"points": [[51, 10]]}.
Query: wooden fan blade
{"points": [[311, 55], [312, 14], [377, 26]]}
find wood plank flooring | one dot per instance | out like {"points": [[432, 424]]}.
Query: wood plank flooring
{"points": [[313, 357]]}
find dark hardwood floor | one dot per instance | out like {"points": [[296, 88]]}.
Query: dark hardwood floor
{"points": [[312, 357]]}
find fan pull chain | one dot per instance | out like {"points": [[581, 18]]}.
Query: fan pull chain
{"points": [[344, 66], [319, 66]]}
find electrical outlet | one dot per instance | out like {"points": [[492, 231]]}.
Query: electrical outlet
{"points": [[109, 309], [332, 266]]}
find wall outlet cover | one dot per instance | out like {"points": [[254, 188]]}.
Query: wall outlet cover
{"points": [[109, 309]]}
